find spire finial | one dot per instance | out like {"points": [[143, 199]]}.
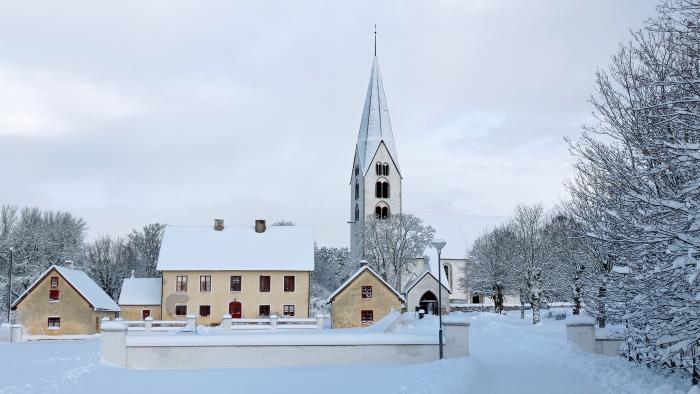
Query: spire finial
{"points": [[375, 40]]}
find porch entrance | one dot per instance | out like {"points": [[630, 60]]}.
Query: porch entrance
{"points": [[429, 303]]}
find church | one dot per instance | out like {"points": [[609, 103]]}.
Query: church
{"points": [[376, 189]]}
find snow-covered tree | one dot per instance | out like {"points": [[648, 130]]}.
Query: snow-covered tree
{"points": [[107, 263], [393, 243], [143, 250], [490, 269], [8, 219], [533, 266], [41, 239], [637, 186], [331, 268]]}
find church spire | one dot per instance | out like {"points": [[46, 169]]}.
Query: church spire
{"points": [[375, 125], [375, 40]]}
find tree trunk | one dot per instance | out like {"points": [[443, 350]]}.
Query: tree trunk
{"points": [[535, 303], [522, 305], [601, 307], [499, 301], [577, 293]]}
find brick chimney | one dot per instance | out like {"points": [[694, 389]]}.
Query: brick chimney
{"points": [[260, 226], [218, 224]]}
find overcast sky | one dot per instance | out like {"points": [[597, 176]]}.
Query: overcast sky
{"points": [[132, 112]]}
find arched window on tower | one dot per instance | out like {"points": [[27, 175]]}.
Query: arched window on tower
{"points": [[381, 189], [385, 169], [381, 211], [357, 170], [357, 190], [357, 213], [378, 168]]}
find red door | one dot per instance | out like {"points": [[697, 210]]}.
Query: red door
{"points": [[145, 313], [234, 309]]}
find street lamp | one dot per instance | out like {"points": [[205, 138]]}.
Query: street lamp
{"points": [[9, 286], [438, 244]]}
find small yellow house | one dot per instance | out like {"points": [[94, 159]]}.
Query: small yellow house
{"points": [[140, 298], [244, 271], [63, 301], [363, 299]]}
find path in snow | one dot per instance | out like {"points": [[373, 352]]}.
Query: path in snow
{"points": [[508, 356]]}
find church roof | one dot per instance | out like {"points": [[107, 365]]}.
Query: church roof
{"points": [[420, 277], [375, 126]]}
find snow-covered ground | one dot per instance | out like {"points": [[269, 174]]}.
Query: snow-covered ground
{"points": [[508, 356]]}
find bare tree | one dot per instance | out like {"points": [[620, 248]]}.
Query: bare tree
{"points": [[532, 262], [107, 263], [393, 243], [144, 248], [490, 269]]}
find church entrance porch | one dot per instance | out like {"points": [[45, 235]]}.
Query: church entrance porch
{"points": [[429, 303]]}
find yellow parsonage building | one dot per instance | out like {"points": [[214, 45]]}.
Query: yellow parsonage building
{"points": [[244, 271]]}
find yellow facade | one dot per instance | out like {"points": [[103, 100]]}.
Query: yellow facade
{"points": [[348, 304], [77, 316], [220, 295], [135, 312]]}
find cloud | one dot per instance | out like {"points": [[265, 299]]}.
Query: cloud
{"points": [[181, 112], [40, 103]]}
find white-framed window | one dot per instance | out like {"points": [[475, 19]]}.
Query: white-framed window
{"points": [[54, 323], [288, 310], [181, 310]]}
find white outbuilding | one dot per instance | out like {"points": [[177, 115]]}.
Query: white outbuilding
{"points": [[421, 292]]}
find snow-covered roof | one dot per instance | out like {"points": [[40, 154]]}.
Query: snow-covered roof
{"points": [[82, 283], [355, 275], [237, 248], [140, 291], [375, 126], [418, 278]]}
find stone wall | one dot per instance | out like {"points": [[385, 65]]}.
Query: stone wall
{"points": [[76, 314], [276, 349], [348, 304], [581, 333]]}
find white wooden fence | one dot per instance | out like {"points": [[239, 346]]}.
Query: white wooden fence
{"points": [[227, 323]]}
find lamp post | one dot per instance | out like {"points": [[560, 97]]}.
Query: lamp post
{"points": [[9, 286], [438, 244]]}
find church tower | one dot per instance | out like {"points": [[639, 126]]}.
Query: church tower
{"points": [[375, 182]]}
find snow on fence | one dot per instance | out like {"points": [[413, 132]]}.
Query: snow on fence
{"points": [[581, 332], [11, 332], [265, 349], [272, 323], [227, 323]]}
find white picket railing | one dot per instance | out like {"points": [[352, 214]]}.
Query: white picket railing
{"points": [[227, 323], [272, 323]]}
